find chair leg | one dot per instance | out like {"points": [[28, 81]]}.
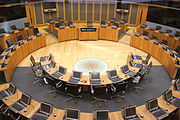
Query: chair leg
{"points": [[117, 97], [74, 98], [137, 89], [97, 100], [37, 80]]}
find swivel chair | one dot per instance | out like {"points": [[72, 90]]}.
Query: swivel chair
{"points": [[9, 42]]}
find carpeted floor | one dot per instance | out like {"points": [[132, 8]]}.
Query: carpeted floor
{"points": [[23, 79]]}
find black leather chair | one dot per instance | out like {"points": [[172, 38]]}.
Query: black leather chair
{"points": [[103, 24], [46, 58], [19, 37], [2, 30], [112, 20], [94, 78], [36, 32], [177, 34], [165, 42], [27, 24], [70, 24], [9, 42], [34, 63], [143, 25], [97, 91], [168, 31], [89, 24], [158, 27], [13, 27], [177, 49], [74, 91], [146, 59], [145, 33], [51, 21], [1, 50], [117, 90], [115, 26], [112, 75]]}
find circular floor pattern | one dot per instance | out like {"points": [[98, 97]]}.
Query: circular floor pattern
{"points": [[91, 65]]}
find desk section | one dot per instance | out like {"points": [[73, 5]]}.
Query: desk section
{"points": [[20, 53], [88, 33], [158, 52], [25, 33]]}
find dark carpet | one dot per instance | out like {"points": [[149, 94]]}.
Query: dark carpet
{"points": [[23, 78]]}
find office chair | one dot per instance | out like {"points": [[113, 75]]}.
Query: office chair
{"points": [[113, 76], [115, 26], [51, 21], [71, 114], [176, 85], [177, 49], [143, 25], [62, 70], [13, 27], [9, 42], [70, 24], [145, 33], [118, 89], [34, 63], [19, 37], [1, 50], [177, 34], [158, 27], [74, 91], [165, 42], [101, 115], [47, 58], [153, 107], [27, 24], [57, 25], [168, 31], [44, 111], [97, 91], [2, 32], [112, 20], [145, 71], [129, 113], [94, 78], [60, 20], [153, 37], [36, 32], [89, 24], [147, 59], [39, 76], [103, 24], [122, 22]]}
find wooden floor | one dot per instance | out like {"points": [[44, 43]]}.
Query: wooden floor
{"points": [[69, 52]]}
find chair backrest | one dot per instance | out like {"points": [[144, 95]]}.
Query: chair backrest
{"points": [[112, 73], [116, 24], [177, 85], [113, 20], [168, 31], [177, 34], [2, 30], [125, 68], [57, 24], [153, 37], [98, 89], [26, 24], [103, 23], [158, 27], [13, 27], [32, 60], [36, 31], [164, 42], [145, 33], [149, 67], [19, 37], [9, 42], [177, 49], [147, 58], [70, 23], [73, 89], [89, 23], [121, 86]]}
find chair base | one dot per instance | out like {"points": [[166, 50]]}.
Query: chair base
{"points": [[97, 100], [137, 89], [74, 98], [118, 97]]}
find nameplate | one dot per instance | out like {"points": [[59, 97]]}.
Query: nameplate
{"points": [[88, 29]]}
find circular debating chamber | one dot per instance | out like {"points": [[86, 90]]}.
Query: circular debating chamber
{"points": [[89, 60]]}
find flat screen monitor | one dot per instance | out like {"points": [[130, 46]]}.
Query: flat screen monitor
{"points": [[102, 115], [72, 114], [95, 75], [26, 99], [62, 70], [152, 104], [76, 74], [168, 95], [46, 108], [12, 88], [125, 68], [130, 112], [113, 73]]}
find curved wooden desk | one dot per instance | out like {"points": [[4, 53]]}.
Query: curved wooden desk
{"points": [[20, 53], [25, 33], [85, 78], [173, 42], [101, 33], [158, 52], [35, 105]]}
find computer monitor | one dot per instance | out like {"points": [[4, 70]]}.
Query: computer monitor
{"points": [[72, 114], [62, 70], [112, 73], [168, 95], [152, 104], [95, 75], [26, 99], [46, 108], [53, 63], [77, 74], [125, 68], [130, 112], [12, 88], [102, 115]]}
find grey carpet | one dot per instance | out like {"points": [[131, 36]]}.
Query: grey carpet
{"points": [[23, 79]]}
